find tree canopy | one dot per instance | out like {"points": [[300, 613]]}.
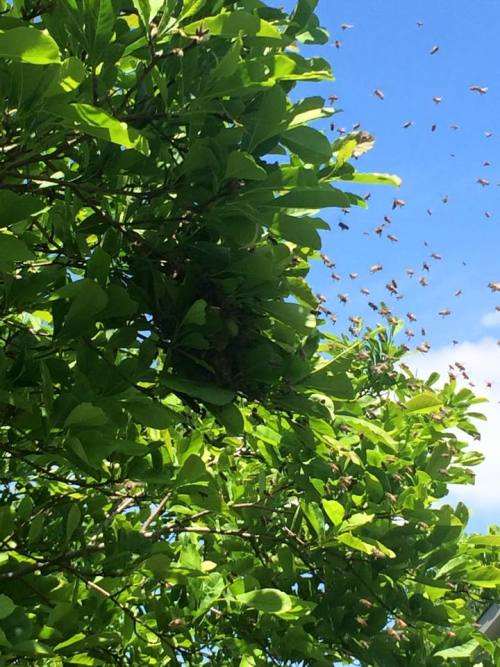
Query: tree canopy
{"points": [[193, 470]]}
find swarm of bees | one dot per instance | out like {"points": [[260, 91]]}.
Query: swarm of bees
{"points": [[430, 264]]}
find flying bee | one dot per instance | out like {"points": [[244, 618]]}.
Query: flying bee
{"points": [[407, 124], [398, 203], [376, 267], [423, 281], [434, 50], [409, 333], [387, 219], [373, 306], [436, 255], [429, 211], [482, 90], [458, 292], [425, 266], [488, 134], [392, 238], [379, 93], [437, 99], [353, 275], [378, 230], [336, 276], [365, 291], [487, 215], [486, 163], [338, 43], [454, 126], [410, 272], [346, 26], [444, 312], [433, 127], [483, 181], [392, 287], [343, 226], [444, 199], [411, 317], [494, 287], [343, 298]]}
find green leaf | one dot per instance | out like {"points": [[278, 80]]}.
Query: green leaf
{"points": [[374, 179], [90, 300], [87, 415], [463, 651], [232, 24], [205, 392], [300, 230], [266, 122], [196, 313], [70, 75], [313, 198], [191, 7], [104, 18], [230, 417], [309, 144], [309, 109], [487, 576], [334, 511], [73, 520], [370, 430], [356, 521], [16, 207], [243, 166], [98, 123], [336, 385], [292, 314], [151, 413], [13, 249], [267, 600], [424, 403], [355, 543], [485, 540], [28, 45], [6, 606]]}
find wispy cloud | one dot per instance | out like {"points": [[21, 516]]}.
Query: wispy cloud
{"points": [[491, 319], [482, 362]]}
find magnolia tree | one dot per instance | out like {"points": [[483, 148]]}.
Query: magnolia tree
{"points": [[192, 470]]}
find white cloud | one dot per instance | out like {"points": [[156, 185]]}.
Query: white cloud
{"points": [[491, 319], [482, 362]]}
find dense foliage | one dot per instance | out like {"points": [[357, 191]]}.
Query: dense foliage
{"points": [[191, 471]]}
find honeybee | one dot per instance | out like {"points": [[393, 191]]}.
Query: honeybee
{"points": [[434, 50], [379, 93], [482, 90]]}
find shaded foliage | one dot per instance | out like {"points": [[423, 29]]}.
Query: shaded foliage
{"points": [[191, 469]]}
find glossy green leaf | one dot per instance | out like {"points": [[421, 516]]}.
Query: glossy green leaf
{"points": [[98, 123], [232, 24], [13, 249], [6, 606], [424, 403], [461, 651], [334, 511], [309, 144], [242, 165], [28, 45], [267, 600]]}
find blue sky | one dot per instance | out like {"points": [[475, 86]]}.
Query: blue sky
{"points": [[386, 50]]}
